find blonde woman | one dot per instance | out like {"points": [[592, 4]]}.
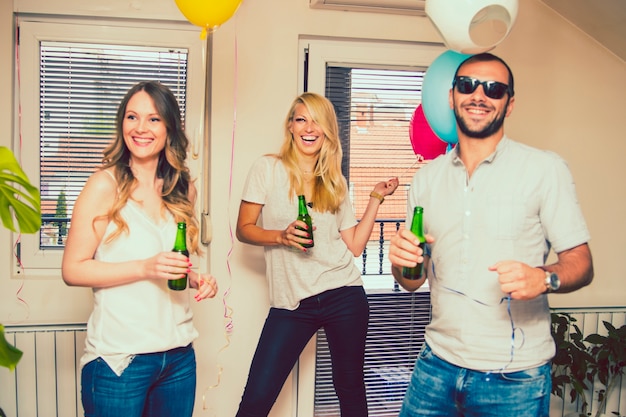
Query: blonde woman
{"points": [[313, 288], [138, 358]]}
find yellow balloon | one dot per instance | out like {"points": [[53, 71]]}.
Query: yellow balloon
{"points": [[208, 14]]}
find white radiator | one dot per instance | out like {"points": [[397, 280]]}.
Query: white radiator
{"points": [[46, 381]]}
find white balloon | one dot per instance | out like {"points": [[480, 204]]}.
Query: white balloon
{"points": [[472, 26]]}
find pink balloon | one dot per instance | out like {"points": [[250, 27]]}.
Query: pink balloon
{"points": [[424, 141]]}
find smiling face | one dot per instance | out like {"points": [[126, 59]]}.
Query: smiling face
{"points": [[477, 115], [144, 130], [308, 136]]}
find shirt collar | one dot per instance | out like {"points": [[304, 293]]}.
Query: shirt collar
{"points": [[500, 147]]}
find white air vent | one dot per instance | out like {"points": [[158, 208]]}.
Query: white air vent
{"points": [[413, 7]]}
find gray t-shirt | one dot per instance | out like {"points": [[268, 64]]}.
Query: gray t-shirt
{"points": [[518, 203], [291, 273]]}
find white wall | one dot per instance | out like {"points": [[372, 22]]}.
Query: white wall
{"points": [[570, 100], [569, 92]]}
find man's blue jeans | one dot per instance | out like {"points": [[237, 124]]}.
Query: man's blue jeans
{"points": [[344, 315], [439, 388], [159, 384]]}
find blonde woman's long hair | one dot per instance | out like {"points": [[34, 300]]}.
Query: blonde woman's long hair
{"points": [[171, 167], [330, 187]]}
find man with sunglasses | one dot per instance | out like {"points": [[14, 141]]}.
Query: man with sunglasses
{"points": [[493, 209]]}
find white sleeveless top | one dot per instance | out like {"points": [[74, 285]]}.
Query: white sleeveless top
{"points": [[143, 316]]}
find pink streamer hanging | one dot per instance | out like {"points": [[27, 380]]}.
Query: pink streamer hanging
{"points": [[18, 240], [228, 311]]}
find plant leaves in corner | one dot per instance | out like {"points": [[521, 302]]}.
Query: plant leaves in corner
{"points": [[19, 199], [9, 355]]}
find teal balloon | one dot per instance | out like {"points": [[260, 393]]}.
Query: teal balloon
{"points": [[435, 90]]}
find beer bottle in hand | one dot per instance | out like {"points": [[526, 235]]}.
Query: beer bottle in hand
{"points": [[180, 246], [417, 228], [303, 215]]}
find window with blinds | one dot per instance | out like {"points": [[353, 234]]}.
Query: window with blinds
{"points": [[374, 109], [81, 86]]}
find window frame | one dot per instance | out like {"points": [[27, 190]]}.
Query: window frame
{"points": [[318, 53], [351, 89], [46, 262]]}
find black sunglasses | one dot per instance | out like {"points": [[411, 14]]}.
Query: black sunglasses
{"points": [[492, 89]]}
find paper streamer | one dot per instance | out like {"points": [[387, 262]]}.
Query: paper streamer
{"points": [[18, 240], [228, 311]]}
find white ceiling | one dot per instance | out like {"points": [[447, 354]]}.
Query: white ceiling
{"points": [[603, 20]]}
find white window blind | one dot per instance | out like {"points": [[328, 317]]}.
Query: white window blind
{"points": [[394, 339], [375, 88], [81, 86], [374, 108]]}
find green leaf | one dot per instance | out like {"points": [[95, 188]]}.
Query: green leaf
{"points": [[19, 199], [595, 339], [9, 354]]}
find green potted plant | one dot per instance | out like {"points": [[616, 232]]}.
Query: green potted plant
{"points": [[580, 360], [19, 202], [609, 352], [570, 365]]}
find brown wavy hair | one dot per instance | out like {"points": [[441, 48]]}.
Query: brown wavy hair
{"points": [[171, 168]]}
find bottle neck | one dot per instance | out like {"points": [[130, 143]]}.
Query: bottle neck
{"points": [[181, 239], [417, 223], [302, 205]]}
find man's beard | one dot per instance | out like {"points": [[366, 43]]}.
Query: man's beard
{"points": [[487, 131]]}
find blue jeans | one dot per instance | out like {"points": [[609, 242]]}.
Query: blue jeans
{"points": [[439, 388], [344, 315], [159, 384]]}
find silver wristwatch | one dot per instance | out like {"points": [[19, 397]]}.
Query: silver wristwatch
{"points": [[552, 282]]}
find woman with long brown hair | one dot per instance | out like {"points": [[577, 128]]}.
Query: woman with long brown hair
{"points": [[138, 358]]}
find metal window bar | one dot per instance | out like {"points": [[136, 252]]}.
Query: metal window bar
{"points": [[379, 245], [53, 231]]}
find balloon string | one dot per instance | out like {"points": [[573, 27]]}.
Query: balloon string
{"points": [[220, 370], [418, 160], [21, 301], [228, 311], [514, 329], [18, 240]]}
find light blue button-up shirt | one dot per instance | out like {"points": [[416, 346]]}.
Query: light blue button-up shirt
{"points": [[519, 202]]}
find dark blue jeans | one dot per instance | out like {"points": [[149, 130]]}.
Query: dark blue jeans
{"points": [[153, 385], [439, 388], [344, 314]]}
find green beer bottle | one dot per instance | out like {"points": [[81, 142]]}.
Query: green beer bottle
{"points": [[180, 246], [303, 214], [417, 228]]}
